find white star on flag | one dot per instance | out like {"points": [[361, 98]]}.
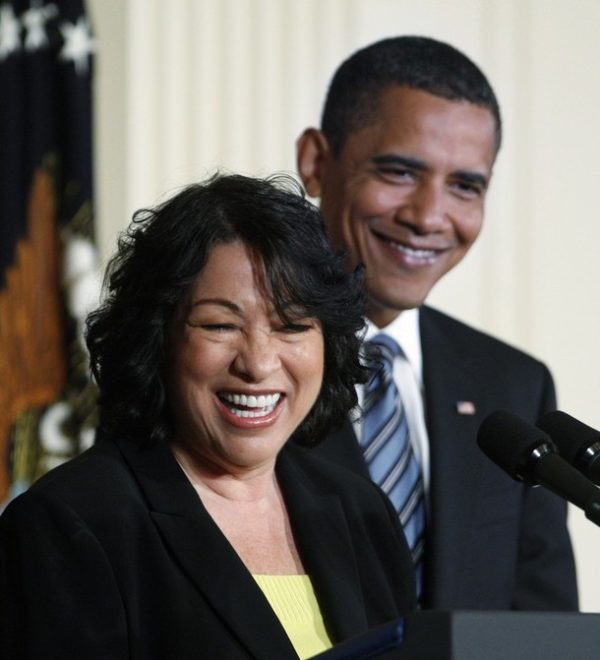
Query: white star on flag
{"points": [[35, 19], [10, 40], [79, 44]]}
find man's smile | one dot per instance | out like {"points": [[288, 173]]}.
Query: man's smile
{"points": [[415, 255]]}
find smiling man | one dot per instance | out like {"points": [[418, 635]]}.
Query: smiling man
{"points": [[402, 163]]}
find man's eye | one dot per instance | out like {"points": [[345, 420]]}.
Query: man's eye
{"points": [[468, 190], [396, 172]]}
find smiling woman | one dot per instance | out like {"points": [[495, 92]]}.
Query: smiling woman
{"points": [[193, 528], [241, 377]]}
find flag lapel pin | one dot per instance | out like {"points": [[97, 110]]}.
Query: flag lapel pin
{"points": [[465, 408]]}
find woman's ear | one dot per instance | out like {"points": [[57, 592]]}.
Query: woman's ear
{"points": [[312, 149]]}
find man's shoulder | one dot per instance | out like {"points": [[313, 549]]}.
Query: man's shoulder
{"points": [[438, 327]]}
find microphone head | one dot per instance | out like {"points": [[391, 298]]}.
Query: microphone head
{"points": [[577, 442], [570, 435], [511, 443]]}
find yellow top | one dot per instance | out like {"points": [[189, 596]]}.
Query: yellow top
{"points": [[293, 600]]}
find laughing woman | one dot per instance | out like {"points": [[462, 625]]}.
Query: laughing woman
{"points": [[193, 529]]}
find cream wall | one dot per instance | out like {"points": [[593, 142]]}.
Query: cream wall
{"points": [[186, 86]]}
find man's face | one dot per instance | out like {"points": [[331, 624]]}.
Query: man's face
{"points": [[406, 195]]}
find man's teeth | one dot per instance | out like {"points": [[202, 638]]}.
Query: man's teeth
{"points": [[412, 252], [263, 404]]}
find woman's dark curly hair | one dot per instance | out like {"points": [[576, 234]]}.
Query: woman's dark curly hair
{"points": [[159, 257]]}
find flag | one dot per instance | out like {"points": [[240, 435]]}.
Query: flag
{"points": [[48, 262], [465, 408]]}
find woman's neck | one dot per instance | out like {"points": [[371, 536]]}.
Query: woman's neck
{"points": [[249, 509], [236, 484]]}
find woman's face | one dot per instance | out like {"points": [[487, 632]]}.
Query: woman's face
{"points": [[240, 379]]}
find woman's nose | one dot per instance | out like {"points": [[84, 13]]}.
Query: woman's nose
{"points": [[257, 357]]}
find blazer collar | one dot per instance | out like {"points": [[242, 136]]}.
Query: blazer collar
{"points": [[325, 544], [320, 530], [204, 553]]}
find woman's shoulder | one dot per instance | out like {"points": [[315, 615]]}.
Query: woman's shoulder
{"points": [[82, 483]]}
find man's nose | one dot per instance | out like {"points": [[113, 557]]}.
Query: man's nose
{"points": [[257, 357], [425, 209]]}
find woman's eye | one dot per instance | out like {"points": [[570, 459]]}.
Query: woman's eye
{"points": [[212, 327], [218, 327], [296, 327]]}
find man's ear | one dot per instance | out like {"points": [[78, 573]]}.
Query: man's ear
{"points": [[312, 149]]}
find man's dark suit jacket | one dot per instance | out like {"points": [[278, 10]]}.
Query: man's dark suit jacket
{"points": [[491, 542], [113, 556]]}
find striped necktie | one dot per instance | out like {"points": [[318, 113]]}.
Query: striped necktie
{"points": [[388, 451]]}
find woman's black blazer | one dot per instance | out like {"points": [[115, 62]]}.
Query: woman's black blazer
{"points": [[113, 556]]}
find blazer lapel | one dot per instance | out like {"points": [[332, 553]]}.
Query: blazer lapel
{"points": [[204, 553], [325, 545], [455, 458], [341, 447]]}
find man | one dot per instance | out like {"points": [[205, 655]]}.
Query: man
{"points": [[402, 163]]}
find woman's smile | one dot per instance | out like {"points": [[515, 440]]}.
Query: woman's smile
{"points": [[242, 378]]}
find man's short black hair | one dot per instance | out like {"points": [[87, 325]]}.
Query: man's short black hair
{"points": [[421, 63]]}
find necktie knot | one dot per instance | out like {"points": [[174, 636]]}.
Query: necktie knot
{"points": [[381, 351], [387, 347]]}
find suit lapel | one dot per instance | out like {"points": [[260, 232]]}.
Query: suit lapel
{"points": [[204, 554], [341, 447], [455, 458], [326, 548]]}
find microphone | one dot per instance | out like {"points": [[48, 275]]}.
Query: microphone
{"points": [[528, 454], [577, 442]]}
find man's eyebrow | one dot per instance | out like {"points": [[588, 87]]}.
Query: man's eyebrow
{"points": [[403, 161], [467, 176]]}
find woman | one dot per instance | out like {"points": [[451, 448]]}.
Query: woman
{"points": [[192, 529]]}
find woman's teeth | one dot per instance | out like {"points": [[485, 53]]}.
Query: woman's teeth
{"points": [[254, 406]]}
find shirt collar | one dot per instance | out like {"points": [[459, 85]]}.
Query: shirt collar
{"points": [[405, 330]]}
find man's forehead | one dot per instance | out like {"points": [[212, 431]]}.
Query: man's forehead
{"points": [[412, 118], [414, 101]]}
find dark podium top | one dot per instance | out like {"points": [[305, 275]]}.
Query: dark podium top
{"points": [[482, 635]]}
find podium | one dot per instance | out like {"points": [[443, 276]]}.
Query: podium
{"points": [[478, 635], [489, 635]]}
